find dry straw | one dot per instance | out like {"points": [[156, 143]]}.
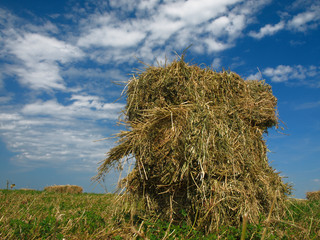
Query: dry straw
{"points": [[64, 189], [313, 195], [197, 138]]}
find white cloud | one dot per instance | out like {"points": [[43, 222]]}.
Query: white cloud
{"points": [[111, 37], [52, 134], [211, 26], [279, 74], [215, 46], [195, 12], [38, 58], [5, 99], [147, 5], [308, 19], [85, 107], [256, 76], [33, 47], [32, 55], [41, 75], [268, 30], [305, 20], [216, 64], [305, 75]]}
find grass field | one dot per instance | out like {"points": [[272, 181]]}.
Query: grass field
{"points": [[43, 215]]}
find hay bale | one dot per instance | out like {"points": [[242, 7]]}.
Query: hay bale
{"points": [[27, 189], [197, 137], [64, 189], [313, 195]]}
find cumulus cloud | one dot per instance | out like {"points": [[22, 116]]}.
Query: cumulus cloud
{"points": [[256, 76], [279, 74], [213, 25], [295, 74], [283, 73]]}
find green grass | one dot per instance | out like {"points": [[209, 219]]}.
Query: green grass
{"points": [[43, 215]]}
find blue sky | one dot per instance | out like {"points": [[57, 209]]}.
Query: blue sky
{"points": [[59, 59]]}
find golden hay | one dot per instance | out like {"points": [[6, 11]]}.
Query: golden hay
{"points": [[64, 189], [197, 138], [313, 195], [27, 189]]}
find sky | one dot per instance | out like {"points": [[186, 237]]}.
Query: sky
{"points": [[60, 62]]}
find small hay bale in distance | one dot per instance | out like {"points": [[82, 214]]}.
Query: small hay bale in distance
{"points": [[312, 196], [64, 189], [27, 189], [197, 137]]}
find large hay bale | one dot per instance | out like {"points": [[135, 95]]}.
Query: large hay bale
{"points": [[64, 189], [313, 195], [197, 137]]}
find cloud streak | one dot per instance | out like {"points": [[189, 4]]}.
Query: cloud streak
{"points": [[267, 30], [301, 22], [37, 58], [52, 134]]}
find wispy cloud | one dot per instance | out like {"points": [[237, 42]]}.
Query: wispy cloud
{"points": [[308, 105], [216, 64], [38, 58], [49, 133], [305, 20], [111, 37], [302, 21], [267, 30]]}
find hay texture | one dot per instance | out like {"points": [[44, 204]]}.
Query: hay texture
{"points": [[313, 195], [197, 138], [27, 189], [64, 189]]}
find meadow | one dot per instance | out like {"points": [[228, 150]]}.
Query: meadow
{"points": [[46, 215]]}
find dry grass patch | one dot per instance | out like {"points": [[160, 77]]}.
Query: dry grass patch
{"points": [[313, 195], [64, 189]]}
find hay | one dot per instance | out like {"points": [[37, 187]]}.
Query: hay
{"points": [[64, 189], [27, 189], [313, 196], [197, 137]]}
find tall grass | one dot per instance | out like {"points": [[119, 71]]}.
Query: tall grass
{"points": [[44, 215]]}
